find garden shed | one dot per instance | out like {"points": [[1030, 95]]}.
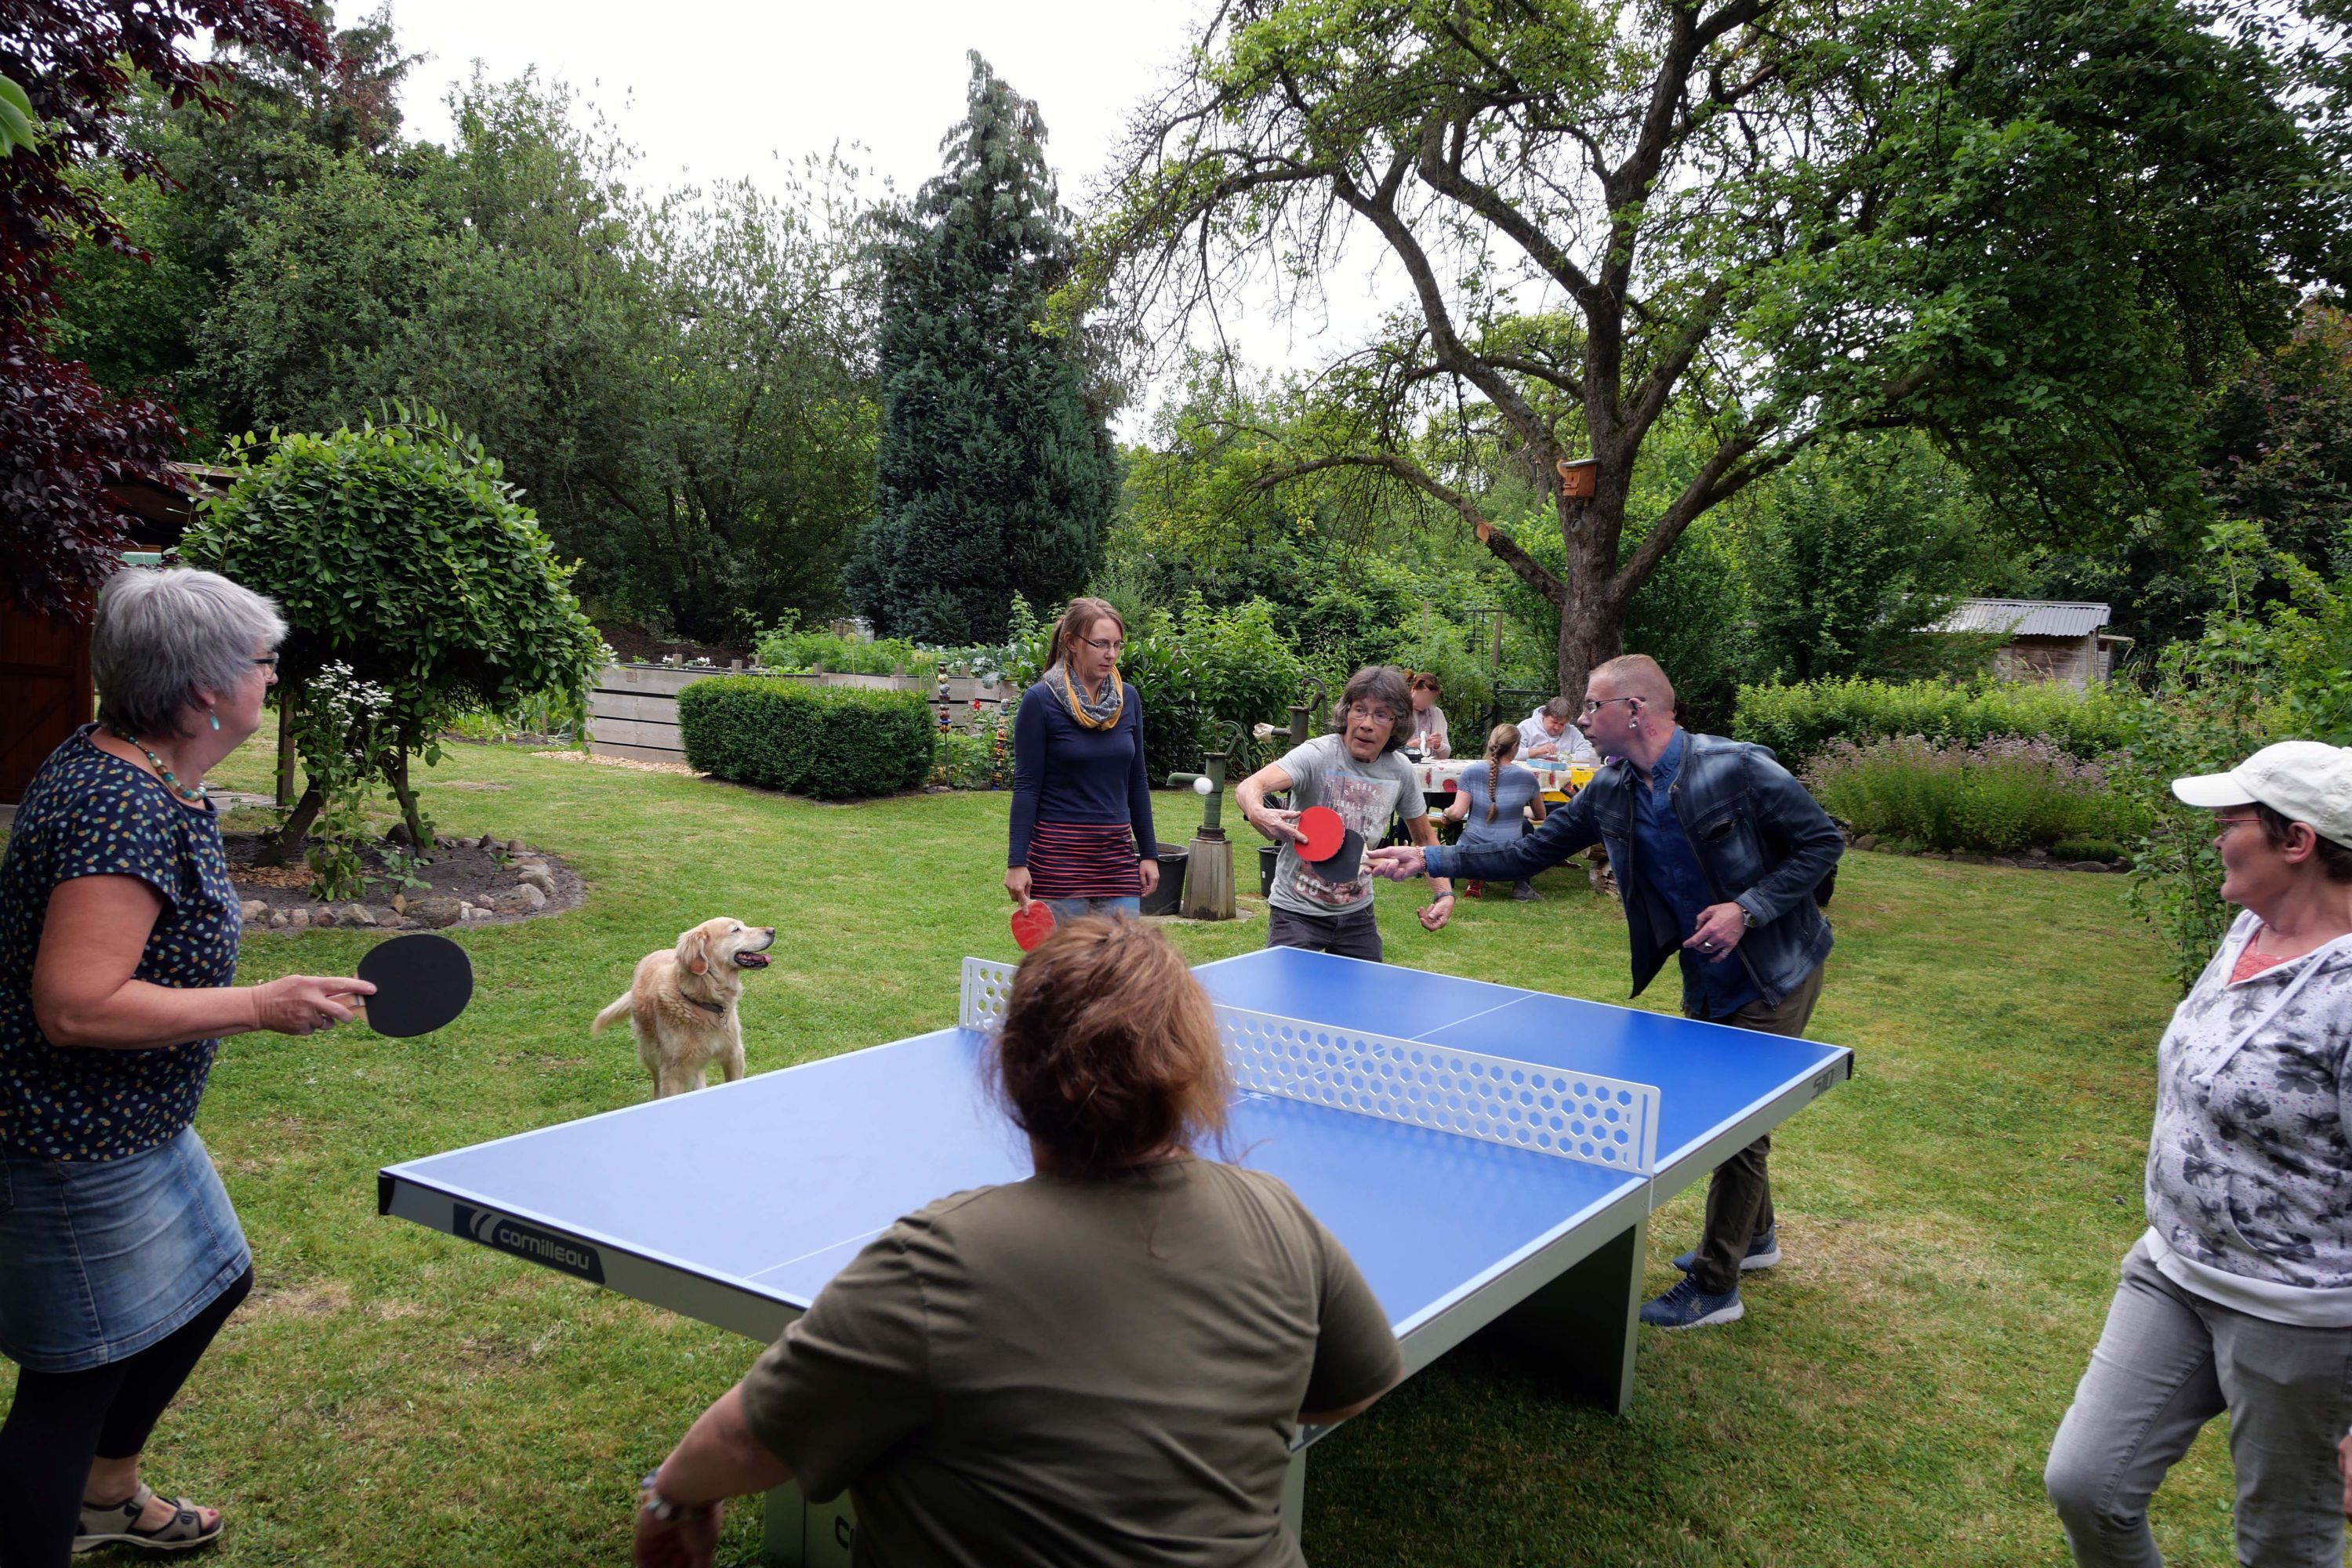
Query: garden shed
{"points": [[2049, 640]]}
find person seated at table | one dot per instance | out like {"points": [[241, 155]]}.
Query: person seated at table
{"points": [[1104, 1364], [1358, 772], [1549, 733], [1428, 737], [1493, 802]]}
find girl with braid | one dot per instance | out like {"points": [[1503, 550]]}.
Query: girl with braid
{"points": [[1495, 800]]}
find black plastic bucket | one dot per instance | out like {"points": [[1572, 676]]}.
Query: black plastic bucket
{"points": [[1164, 899]]}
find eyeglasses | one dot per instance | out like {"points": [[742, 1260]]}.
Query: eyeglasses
{"points": [[1592, 707], [2226, 823], [268, 662], [1377, 715], [1107, 644]]}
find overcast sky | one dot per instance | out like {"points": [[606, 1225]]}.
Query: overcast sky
{"points": [[724, 89]]}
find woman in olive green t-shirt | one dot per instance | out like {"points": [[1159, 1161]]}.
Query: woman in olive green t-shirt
{"points": [[1103, 1364]]}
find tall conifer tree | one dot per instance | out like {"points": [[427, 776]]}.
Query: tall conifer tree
{"points": [[995, 470]]}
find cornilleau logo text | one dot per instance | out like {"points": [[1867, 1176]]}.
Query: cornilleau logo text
{"points": [[492, 1228]]}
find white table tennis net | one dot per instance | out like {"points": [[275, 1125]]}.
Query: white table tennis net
{"points": [[1521, 1105]]}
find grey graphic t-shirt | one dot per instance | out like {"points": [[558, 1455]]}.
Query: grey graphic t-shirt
{"points": [[1365, 794]]}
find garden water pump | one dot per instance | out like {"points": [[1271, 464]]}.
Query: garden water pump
{"points": [[1209, 859]]}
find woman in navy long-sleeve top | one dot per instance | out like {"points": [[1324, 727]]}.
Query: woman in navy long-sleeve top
{"points": [[1082, 838]]}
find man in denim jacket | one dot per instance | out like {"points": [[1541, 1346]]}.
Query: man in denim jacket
{"points": [[1721, 856]]}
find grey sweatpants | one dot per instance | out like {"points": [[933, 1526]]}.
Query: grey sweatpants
{"points": [[2168, 1361]]}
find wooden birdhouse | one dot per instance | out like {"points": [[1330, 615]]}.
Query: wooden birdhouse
{"points": [[1579, 478]]}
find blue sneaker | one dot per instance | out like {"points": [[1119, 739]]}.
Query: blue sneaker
{"points": [[1688, 1306], [1762, 1253]]}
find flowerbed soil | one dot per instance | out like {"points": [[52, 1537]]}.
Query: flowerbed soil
{"points": [[462, 872], [638, 646]]}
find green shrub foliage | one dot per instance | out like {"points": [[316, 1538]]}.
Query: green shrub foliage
{"points": [[1800, 721], [829, 741], [2001, 796]]}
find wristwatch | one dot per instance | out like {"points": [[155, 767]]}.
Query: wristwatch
{"points": [[1747, 917], [661, 1508]]}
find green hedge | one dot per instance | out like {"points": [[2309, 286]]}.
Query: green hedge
{"points": [[829, 741], [1800, 721]]}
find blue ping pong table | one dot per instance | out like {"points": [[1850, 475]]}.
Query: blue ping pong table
{"points": [[1489, 1155]]}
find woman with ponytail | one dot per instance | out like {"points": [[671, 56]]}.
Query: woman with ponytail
{"points": [[1496, 799], [1082, 839]]}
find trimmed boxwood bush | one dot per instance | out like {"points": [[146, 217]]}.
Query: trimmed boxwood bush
{"points": [[1800, 721], [829, 741]]}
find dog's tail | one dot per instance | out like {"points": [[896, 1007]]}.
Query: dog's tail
{"points": [[617, 1011]]}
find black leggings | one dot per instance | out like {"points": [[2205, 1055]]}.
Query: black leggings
{"points": [[60, 1421]]}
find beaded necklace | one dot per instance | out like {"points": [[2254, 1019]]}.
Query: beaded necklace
{"points": [[194, 797]]}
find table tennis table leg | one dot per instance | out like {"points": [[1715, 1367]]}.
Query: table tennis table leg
{"points": [[797, 1533], [1581, 1326]]}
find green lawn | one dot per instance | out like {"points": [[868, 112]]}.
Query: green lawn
{"points": [[1952, 1217]]}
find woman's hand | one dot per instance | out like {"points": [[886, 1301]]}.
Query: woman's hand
{"points": [[298, 1003], [1149, 870], [678, 1543], [2344, 1463], [1281, 826], [1016, 882]]}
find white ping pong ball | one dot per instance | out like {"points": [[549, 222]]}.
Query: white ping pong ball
{"points": [[1201, 787]]}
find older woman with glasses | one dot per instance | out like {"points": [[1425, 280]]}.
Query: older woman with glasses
{"points": [[1081, 838], [119, 1254], [2238, 1297]]}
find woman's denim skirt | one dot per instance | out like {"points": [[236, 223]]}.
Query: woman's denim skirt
{"points": [[100, 1258]]}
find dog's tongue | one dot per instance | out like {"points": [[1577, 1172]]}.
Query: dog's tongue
{"points": [[751, 961]]}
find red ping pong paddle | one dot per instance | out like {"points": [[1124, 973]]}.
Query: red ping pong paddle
{"points": [[1033, 922], [1453, 787], [422, 981], [1325, 833]]}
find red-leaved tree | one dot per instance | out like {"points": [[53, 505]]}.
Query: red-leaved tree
{"points": [[63, 437]]}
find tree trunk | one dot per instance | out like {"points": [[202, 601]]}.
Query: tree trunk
{"points": [[406, 796], [1592, 618], [290, 837], [287, 695]]}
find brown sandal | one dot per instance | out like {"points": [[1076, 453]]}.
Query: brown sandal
{"points": [[117, 1524]]}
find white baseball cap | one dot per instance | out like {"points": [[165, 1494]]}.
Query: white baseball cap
{"points": [[2303, 781]]}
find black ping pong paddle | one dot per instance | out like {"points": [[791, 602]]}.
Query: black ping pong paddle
{"points": [[1343, 863], [421, 980]]}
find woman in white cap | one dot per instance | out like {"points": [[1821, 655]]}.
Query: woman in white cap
{"points": [[2239, 1297]]}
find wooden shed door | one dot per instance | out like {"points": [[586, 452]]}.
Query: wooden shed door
{"points": [[45, 692]]}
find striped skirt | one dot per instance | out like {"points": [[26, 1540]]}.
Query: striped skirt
{"points": [[1083, 860]]}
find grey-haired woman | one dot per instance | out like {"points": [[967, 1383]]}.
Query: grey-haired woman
{"points": [[119, 1254], [2238, 1297]]}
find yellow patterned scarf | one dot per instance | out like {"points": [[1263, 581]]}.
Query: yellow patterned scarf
{"points": [[1089, 711]]}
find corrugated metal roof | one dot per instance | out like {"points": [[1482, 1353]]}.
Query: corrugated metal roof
{"points": [[2027, 617]]}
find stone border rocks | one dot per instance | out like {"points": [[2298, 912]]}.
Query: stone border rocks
{"points": [[475, 881]]}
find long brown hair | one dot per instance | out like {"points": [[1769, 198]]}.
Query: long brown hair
{"points": [[1501, 742], [1108, 1051]]}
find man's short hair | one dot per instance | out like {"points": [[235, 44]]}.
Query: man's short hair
{"points": [[1638, 675], [1560, 708], [162, 634], [1383, 684]]}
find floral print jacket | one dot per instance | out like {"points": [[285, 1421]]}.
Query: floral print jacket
{"points": [[2250, 1164]]}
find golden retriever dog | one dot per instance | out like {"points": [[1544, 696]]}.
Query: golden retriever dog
{"points": [[681, 1004]]}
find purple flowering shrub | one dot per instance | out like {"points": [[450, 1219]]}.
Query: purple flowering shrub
{"points": [[2004, 794]]}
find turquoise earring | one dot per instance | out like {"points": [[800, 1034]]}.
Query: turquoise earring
{"points": [[215, 720]]}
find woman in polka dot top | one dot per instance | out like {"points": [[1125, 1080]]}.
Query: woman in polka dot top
{"points": [[120, 1254]]}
